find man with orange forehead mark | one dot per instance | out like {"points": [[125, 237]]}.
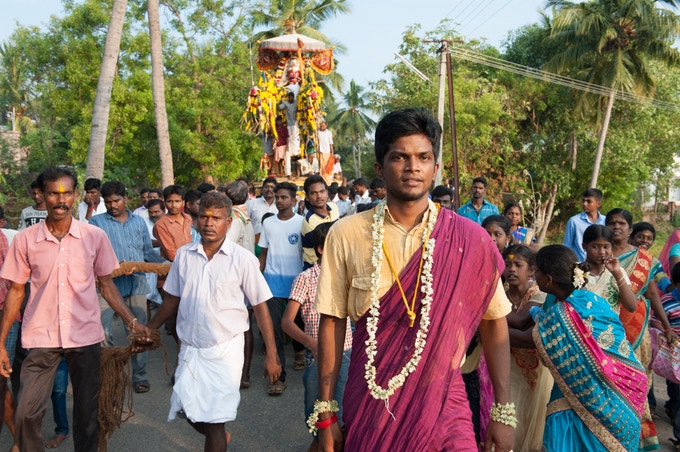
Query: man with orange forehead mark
{"points": [[206, 287]]}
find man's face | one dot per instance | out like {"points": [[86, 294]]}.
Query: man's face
{"points": [[408, 168], [284, 201], [174, 204], [268, 191], [59, 196], [92, 195], [360, 189], [317, 195], [145, 198], [478, 190], [192, 208], [155, 213], [213, 224], [153, 195], [115, 205], [343, 196], [380, 192], [590, 204], [324, 126], [310, 157], [37, 196], [444, 201]]}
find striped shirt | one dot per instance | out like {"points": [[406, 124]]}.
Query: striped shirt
{"points": [[671, 304], [131, 243]]}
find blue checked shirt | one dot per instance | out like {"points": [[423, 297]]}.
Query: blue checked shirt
{"points": [[468, 211], [131, 243]]}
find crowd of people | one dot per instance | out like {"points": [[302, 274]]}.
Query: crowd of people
{"points": [[417, 326]]}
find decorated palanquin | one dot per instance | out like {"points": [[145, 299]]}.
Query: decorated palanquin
{"points": [[288, 64]]}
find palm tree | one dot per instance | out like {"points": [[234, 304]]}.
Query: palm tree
{"points": [[351, 123], [609, 43], [299, 16], [102, 100], [158, 90]]}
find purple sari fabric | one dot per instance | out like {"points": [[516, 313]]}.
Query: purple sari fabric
{"points": [[430, 411]]}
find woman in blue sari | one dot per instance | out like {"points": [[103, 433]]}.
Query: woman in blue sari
{"points": [[600, 387]]}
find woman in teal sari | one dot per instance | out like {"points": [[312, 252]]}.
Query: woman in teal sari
{"points": [[600, 387]]}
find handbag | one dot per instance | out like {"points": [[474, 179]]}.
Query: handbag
{"points": [[665, 357]]}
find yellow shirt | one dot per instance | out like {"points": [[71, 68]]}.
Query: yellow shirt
{"points": [[345, 280]]}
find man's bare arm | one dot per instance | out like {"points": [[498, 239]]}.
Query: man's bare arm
{"points": [[496, 343], [263, 259], [13, 301], [272, 366], [166, 310], [331, 341], [110, 293]]}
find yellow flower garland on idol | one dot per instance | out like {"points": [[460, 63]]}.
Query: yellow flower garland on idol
{"points": [[259, 116], [309, 110]]}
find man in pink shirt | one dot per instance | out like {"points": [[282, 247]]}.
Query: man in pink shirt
{"points": [[63, 258]]}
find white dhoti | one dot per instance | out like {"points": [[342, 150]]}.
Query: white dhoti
{"points": [[207, 382]]}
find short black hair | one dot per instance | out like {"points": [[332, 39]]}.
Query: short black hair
{"points": [[158, 191], [191, 196], [141, 191], [644, 226], [592, 193], [480, 179], [405, 123], [154, 202], [360, 181], [173, 190], [291, 187], [441, 190], [342, 190], [377, 183], [92, 184], [113, 188], [314, 179], [269, 180], [319, 235], [216, 200], [53, 173], [205, 187]]}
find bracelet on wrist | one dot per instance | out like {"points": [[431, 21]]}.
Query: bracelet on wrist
{"points": [[322, 406], [320, 425], [132, 323], [504, 414]]}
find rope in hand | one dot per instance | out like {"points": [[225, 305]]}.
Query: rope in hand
{"points": [[115, 385]]}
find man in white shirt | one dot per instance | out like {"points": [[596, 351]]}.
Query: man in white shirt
{"points": [[308, 166], [207, 285], [281, 262], [257, 207], [92, 203], [289, 104], [326, 161], [362, 194]]}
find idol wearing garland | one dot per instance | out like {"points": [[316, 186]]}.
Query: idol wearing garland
{"points": [[418, 289]]}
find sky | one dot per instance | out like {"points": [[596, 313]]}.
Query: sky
{"points": [[372, 31]]}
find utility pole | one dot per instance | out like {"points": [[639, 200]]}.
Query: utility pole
{"points": [[446, 73]]}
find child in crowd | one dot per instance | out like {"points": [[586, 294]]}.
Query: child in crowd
{"points": [[606, 277], [530, 381], [498, 228], [671, 306], [582, 342], [513, 212], [303, 296]]}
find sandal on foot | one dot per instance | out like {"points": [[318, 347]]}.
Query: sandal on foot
{"points": [[277, 388], [142, 387]]}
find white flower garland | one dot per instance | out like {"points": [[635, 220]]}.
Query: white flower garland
{"points": [[398, 380]]}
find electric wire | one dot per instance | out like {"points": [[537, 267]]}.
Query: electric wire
{"points": [[490, 17], [480, 58]]}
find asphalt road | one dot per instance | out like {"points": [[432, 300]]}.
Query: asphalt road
{"points": [[264, 422]]}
